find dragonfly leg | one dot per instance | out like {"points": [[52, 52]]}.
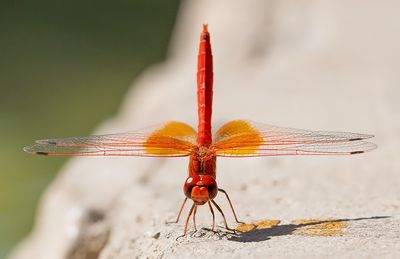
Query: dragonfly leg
{"points": [[180, 211], [230, 203], [187, 221], [223, 215], [213, 215], [194, 217]]}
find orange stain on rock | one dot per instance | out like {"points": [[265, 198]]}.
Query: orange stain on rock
{"points": [[320, 227], [260, 224]]}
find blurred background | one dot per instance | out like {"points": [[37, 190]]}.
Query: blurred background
{"points": [[64, 67]]}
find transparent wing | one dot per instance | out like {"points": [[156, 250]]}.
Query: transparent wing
{"points": [[170, 139], [243, 138]]}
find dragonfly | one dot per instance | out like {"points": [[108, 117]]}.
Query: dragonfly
{"points": [[235, 139]]}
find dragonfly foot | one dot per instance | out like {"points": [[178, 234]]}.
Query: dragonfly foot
{"points": [[177, 239]]}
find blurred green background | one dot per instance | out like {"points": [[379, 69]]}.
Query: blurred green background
{"points": [[64, 67]]}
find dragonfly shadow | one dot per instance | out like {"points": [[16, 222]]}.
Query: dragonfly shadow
{"points": [[263, 234]]}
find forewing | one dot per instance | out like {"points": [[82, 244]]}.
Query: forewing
{"points": [[243, 138], [170, 139]]}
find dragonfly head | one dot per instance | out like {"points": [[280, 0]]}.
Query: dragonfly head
{"points": [[200, 188]]}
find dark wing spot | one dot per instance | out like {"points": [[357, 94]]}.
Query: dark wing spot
{"points": [[356, 152], [42, 153], [46, 142]]}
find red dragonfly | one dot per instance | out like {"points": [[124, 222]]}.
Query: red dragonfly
{"points": [[238, 138]]}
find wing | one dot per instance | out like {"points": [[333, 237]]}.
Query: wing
{"points": [[243, 138], [171, 139]]}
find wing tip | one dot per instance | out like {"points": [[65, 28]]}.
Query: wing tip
{"points": [[372, 146], [362, 137], [27, 149], [30, 150]]}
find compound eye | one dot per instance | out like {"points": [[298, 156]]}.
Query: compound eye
{"points": [[211, 185], [190, 182], [212, 191]]}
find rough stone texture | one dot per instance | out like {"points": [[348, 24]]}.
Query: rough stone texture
{"points": [[329, 65]]}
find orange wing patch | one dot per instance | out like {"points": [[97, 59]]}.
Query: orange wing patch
{"points": [[237, 137], [170, 139]]}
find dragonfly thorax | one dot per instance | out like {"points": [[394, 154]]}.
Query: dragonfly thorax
{"points": [[202, 162], [203, 153]]}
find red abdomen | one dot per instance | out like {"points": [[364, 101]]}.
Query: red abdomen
{"points": [[204, 89]]}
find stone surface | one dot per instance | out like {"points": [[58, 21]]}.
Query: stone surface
{"points": [[326, 65]]}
